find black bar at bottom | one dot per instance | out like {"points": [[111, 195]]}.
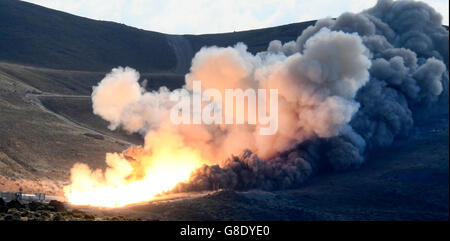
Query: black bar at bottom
{"points": [[227, 230]]}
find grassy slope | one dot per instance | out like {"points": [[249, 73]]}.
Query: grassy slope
{"points": [[79, 110], [35, 145], [72, 82], [34, 35]]}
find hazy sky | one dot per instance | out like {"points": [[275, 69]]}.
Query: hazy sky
{"points": [[212, 16]]}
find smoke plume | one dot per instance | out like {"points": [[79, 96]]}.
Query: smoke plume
{"points": [[346, 86]]}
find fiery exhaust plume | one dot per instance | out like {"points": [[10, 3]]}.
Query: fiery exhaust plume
{"points": [[136, 175]]}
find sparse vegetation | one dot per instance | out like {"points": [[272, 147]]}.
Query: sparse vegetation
{"points": [[53, 211], [36, 145]]}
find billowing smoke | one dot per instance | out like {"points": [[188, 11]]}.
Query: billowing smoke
{"points": [[409, 69], [345, 86], [316, 91]]}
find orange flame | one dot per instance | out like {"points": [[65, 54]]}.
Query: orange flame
{"points": [[136, 175]]}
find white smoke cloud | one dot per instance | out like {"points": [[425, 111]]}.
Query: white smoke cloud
{"points": [[119, 89], [316, 91]]}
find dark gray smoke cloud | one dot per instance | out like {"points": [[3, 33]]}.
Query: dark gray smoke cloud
{"points": [[409, 70]]}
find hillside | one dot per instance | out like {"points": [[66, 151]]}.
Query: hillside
{"points": [[35, 35], [37, 147], [38, 36]]}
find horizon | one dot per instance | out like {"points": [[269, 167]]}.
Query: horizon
{"points": [[180, 17]]}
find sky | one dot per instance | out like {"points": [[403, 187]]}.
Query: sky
{"points": [[214, 16]]}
